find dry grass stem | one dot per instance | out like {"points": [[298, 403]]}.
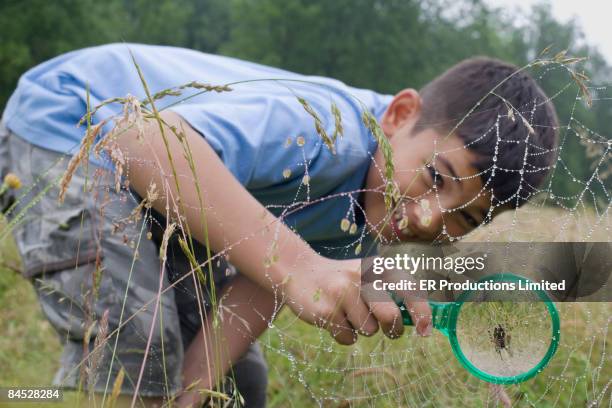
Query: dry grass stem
{"points": [[94, 357], [163, 249], [387, 372], [178, 91], [116, 391], [80, 157]]}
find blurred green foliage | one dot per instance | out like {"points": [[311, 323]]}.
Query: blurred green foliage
{"points": [[385, 45]]}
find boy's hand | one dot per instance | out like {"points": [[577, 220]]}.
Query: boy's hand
{"points": [[329, 294], [326, 293]]}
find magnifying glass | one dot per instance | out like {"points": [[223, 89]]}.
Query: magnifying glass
{"points": [[499, 336]]}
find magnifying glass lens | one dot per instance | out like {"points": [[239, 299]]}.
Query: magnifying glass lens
{"points": [[504, 334]]}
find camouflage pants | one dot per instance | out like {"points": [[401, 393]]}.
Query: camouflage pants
{"points": [[94, 254]]}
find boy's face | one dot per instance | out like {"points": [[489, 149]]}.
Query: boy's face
{"points": [[458, 201]]}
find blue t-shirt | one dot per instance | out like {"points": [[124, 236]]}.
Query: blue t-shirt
{"points": [[257, 129]]}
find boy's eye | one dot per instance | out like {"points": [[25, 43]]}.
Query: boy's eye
{"points": [[471, 221], [437, 180]]}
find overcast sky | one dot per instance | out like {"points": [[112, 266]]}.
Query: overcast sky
{"points": [[594, 16]]}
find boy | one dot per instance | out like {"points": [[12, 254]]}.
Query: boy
{"points": [[257, 151]]}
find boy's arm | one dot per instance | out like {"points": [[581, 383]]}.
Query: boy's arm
{"points": [[244, 313], [319, 290]]}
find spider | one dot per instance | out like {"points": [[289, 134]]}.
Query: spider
{"points": [[501, 340]]}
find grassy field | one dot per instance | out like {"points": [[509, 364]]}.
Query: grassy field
{"points": [[308, 369]]}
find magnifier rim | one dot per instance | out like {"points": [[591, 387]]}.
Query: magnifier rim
{"points": [[465, 362]]}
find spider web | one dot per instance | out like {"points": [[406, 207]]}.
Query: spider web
{"points": [[307, 368], [307, 365]]}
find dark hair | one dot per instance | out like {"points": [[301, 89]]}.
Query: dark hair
{"points": [[469, 98]]}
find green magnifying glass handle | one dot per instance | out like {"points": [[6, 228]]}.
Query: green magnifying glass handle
{"points": [[440, 314]]}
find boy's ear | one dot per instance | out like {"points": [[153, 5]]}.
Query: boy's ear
{"points": [[404, 109]]}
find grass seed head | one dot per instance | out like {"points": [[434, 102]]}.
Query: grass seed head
{"points": [[318, 124], [372, 125], [152, 195], [338, 129], [12, 181], [163, 249]]}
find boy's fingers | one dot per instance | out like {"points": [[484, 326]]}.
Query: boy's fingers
{"points": [[420, 312], [357, 312], [387, 314], [337, 325], [389, 317], [415, 302], [341, 330], [360, 317]]}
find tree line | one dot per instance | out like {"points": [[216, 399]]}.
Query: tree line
{"points": [[385, 45]]}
